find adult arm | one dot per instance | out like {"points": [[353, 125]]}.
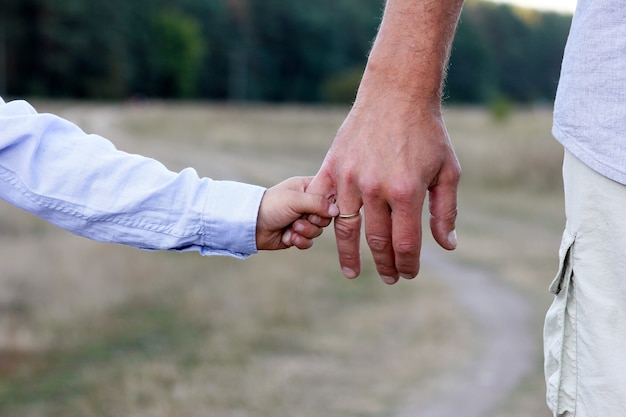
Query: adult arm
{"points": [[393, 148]]}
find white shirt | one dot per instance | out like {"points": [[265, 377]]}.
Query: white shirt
{"points": [[590, 106], [82, 183]]}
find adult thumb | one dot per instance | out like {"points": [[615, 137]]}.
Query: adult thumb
{"points": [[443, 212]]}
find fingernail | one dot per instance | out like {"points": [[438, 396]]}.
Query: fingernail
{"points": [[333, 210], [287, 237], [388, 280], [349, 272], [298, 227], [407, 276], [452, 239]]}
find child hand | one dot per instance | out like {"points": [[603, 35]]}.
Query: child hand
{"points": [[286, 206]]}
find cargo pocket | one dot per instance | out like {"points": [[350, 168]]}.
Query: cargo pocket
{"points": [[560, 335]]}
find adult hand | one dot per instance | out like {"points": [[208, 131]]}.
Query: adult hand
{"points": [[393, 147], [385, 158], [282, 209]]}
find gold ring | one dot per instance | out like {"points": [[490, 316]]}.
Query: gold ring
{"points": [[349, 216]]}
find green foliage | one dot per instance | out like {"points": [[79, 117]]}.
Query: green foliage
{"points": [[60, 48], [180, 47], [342, 87], [500, 108], [501, 50], [269, 50], [471, 68]]}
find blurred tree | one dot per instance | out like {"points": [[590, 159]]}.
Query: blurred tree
{"points": [[272, 50], [471, 71], [3, 61], [545, 53], [76, 54], [523, 49], [241, 47], [299, 44], [342, 87], [179, 50], [16, 17]]}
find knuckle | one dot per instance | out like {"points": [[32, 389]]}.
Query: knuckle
{"points": [[350, 174], [378, 243], [457, 172], [403, 195], [447, 215], [405, 247], [386, 269], [371, 188], [451, 174], [407, 257], [349, 258], [403, 191], [344, 231]]}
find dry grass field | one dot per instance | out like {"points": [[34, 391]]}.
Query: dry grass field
{"points": [[91, 329]]}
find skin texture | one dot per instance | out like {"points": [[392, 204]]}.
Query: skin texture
{"points": [[283, 207], [393, 149]]}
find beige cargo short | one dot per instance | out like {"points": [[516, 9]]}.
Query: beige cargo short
{"points": [[585, 328]]}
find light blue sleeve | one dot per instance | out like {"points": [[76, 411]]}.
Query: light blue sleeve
{"points": [[82, 183]]}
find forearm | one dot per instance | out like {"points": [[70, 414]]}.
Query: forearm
{"points": [[81, 183], [393, 148], [410, 53]]}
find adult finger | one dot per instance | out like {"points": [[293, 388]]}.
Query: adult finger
{"points": [[407, 234], [348, 232], [379, 239], [321, 185]]}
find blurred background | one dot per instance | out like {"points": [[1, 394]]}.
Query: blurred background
{"points": [[254, 90], [256, 50]]}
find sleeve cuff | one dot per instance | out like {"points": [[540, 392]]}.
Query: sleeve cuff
{"points": [[230, 219]]}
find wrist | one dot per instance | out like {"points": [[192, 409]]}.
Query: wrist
{"points": [[395, 86], [410, 53]]}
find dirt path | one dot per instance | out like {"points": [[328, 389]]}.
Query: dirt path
{"points": [[507, 348]]}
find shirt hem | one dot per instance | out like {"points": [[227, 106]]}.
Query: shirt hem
{"points": [[587, 156]]}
